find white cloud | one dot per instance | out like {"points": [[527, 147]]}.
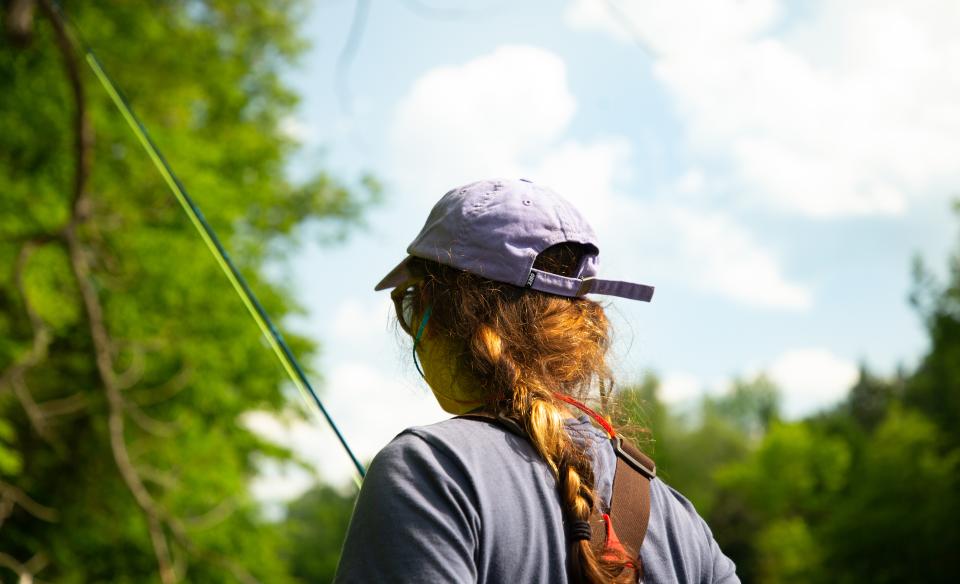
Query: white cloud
{"points": [[671, 243], [719, 255], [587, 174], [370, 408], [278, 482], [358, 321], [481, 118], [297, 130], [386, 403], [440, 140], [681, 387], [850, 111], [808, 379], [811, 379], [682, 26], [691, 182]]}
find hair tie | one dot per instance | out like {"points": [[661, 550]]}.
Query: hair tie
{"points": [[580, 530]]}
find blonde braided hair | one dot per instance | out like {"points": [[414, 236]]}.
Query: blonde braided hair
{"points": [[522, 346]]}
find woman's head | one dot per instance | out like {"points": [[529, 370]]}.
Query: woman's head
{"points": [[495, 345]]}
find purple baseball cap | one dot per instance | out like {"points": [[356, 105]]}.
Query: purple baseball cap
{"points": [[496, 229]]}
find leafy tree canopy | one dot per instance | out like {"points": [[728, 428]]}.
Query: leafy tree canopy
{"points": [[863, 492], [126, 360]]}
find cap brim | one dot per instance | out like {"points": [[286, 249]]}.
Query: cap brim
{"points": [[397, 275]]}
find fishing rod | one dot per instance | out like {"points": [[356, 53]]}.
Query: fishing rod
{"points": [[209, 236]]}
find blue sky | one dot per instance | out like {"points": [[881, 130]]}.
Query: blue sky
{"points": [[770, 167]]}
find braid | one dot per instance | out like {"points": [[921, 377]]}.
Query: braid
{"points": [[520, 347], [542, 418]]}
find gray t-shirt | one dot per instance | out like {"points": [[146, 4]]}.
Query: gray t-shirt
{"points": [[467, 501]]}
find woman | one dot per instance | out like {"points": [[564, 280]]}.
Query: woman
{"points": [[493, 295]]}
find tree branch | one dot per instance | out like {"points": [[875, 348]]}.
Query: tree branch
{"points": [[11, 495], [20, 21], [41, 333], [81, 208], [167, 480], [148, 424], [169, 389], [36, 416], [82, 128], [238, 571], [14, 376], [213, 517], [63, 406], [25, 572], [117, 407], [171, 565], [134, 373]]}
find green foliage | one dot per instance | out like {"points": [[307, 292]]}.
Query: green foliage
{"points": [[935, 386], [897, 521], [750, 405], [788, 552], [50, 290], [187, 361], [689, 449], [871, 397], [10, 461], [792, 477], [793, 471], [314, 529], [866, 492]]}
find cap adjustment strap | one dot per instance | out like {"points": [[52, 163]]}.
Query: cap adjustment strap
{"points": [[577, 287]]}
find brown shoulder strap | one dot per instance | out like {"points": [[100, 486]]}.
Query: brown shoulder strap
{"points": [[629, 504]]}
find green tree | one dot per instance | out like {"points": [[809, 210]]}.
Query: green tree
{"points": [[897, 519], [935, 387], [865, 492], [751, 405], [126, 361], [772, 499], [872, 396], [314, 529], [688, 449]]}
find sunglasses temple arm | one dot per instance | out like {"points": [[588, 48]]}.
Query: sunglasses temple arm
{"points": [[416, 339]]}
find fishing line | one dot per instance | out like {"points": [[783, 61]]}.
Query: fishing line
{"points": [[256, 310]]}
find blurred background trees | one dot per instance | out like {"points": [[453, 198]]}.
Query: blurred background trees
{"points": [[126, 360], [865, 492]]}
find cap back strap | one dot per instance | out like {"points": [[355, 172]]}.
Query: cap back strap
{"points": [[564, 286]]}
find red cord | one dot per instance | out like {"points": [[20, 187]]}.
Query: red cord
{"points": [[597, 417]]}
